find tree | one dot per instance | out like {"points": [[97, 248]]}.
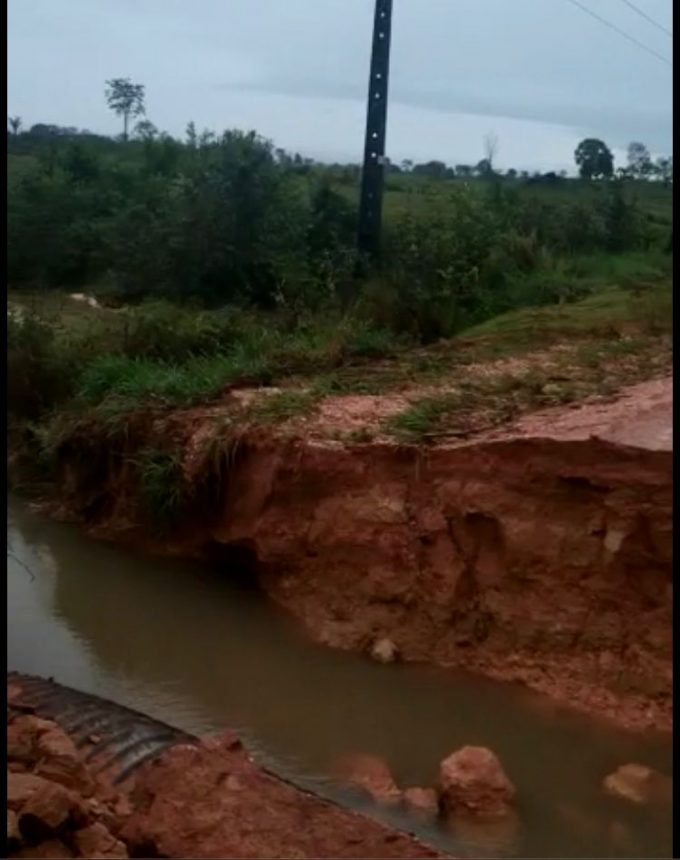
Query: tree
{"points": [[511, 173], [14, 123], [433, 169], [407, 165], [146, 130], [126, 99], [464, 170], [664, 170], [192, 135], [490, 149], [594, 159], [484, 168], [639, 160]]}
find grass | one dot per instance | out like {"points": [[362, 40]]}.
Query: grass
{"points": [[614, 336], [483, 400], [282, 406], [163, 489]]}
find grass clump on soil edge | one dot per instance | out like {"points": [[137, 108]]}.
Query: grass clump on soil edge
{"points": [[70, 375]]}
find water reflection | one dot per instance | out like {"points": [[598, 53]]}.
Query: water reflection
{"points": [[182, 643]]}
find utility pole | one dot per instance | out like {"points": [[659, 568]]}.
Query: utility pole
{"points": [[372, 180]]}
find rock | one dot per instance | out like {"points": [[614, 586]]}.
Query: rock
{"points": [[96, 841], [384, 651], [53, 849], [473, 781], [422, 801], [60, 762], [45, 811], [21, 787], [372, 774], [639, 784], [23, 735]]}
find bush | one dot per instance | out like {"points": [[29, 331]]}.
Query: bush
{"points": [[40, 375]]}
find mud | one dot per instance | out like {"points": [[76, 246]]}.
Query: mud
{"points": [[540, 553]]}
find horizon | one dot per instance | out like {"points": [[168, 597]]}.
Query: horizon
{"points": [[540, 85]]}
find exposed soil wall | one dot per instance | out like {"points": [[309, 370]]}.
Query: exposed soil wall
{"points": [[541, 555]]}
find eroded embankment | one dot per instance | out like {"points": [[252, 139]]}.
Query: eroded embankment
{"points": [[541, 553]]}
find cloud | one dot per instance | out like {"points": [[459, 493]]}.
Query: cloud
{"points": [[538, 71]]}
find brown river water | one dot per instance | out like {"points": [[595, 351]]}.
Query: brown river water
{"points": [[182, 643]]}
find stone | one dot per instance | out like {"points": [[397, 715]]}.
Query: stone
{"points": [[370, 773], [639, 784], [473, 781], [23, 735], [97, 841], [45, 811], [384, 651], [421, 801], [21, 787], [60, 762]]}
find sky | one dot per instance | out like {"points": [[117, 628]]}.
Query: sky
{"points": [[538, 74]]}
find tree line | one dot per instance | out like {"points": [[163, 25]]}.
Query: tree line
{"points": [[231, 219]]}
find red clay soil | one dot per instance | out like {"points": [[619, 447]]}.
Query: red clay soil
{"points": [[540, 553], [212, 800], [204, 800]]}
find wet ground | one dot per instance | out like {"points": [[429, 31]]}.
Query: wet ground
{"points": [[187, 646]]}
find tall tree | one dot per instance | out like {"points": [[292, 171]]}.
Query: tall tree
{"points": [[126, 99], [639, 160], [491, 149], [594, 159], [14, 123]]}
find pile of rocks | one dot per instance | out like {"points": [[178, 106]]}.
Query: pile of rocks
{"points": [[471, 781], [473, 797], [55, 808]]}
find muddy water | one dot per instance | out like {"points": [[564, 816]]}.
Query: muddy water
{"points": [[183, 644]]}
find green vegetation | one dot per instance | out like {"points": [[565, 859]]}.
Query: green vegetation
{"points": [[163, 489], [221, 262]]}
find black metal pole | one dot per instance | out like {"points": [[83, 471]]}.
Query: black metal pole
{"points": [[372, 179]]}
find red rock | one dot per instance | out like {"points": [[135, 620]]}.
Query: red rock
{"points": [[61, 762], [21, 787], [422, 801], [372, 774], [23, 734], [46, 810], [473, 781], [97, 841], [384, 651], [639, 784]]}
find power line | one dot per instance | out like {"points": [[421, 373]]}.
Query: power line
{"points": [[620, 31], [647, 17]]}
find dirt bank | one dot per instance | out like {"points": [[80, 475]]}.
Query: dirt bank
{"points": [[539, 552], [202, 799]]}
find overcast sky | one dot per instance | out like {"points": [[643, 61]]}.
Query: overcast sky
{"points": [[540, 74]]}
